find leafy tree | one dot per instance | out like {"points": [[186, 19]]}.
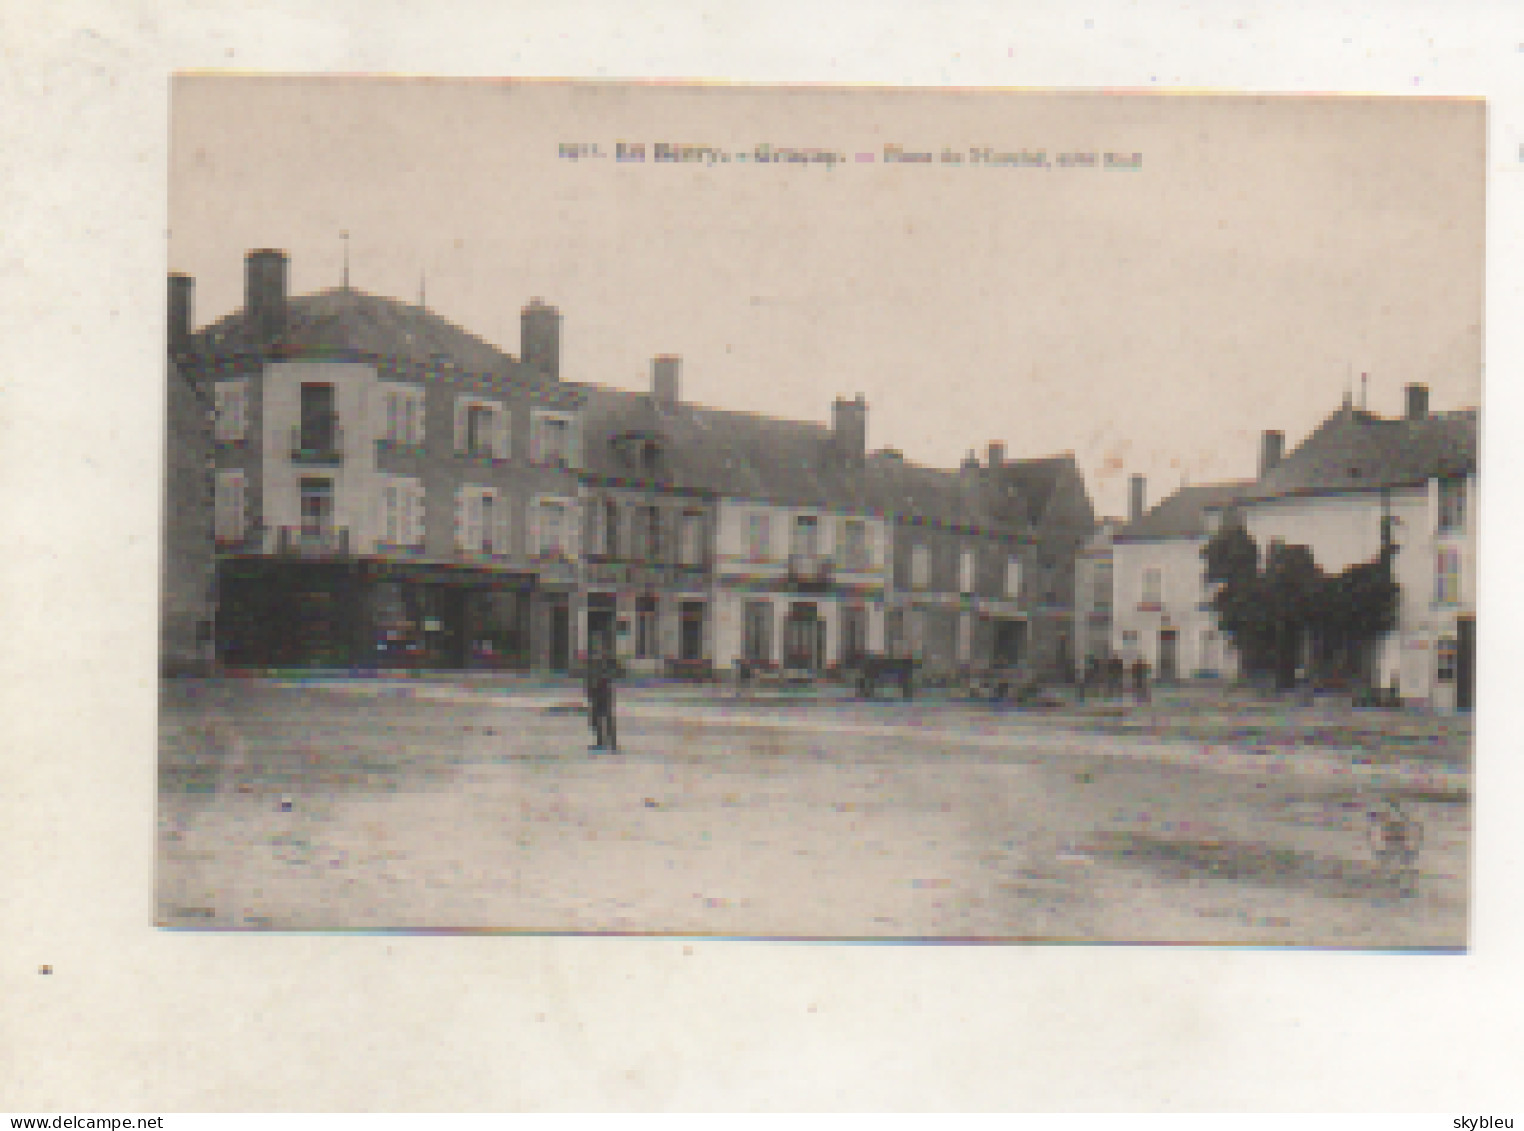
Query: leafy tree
{"points": [[1271, 614]]}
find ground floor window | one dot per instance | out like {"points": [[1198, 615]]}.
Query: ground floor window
{"points": [[691, 634], [757, 632], [645, 628], [854, 633], [803, 637]]}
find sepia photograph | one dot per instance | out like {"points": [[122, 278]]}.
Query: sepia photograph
{"points": [[819, 512]]}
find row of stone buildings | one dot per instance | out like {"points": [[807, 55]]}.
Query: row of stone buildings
{"points": [[355, 482]]}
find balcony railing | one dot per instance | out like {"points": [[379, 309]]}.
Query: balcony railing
{"points": [[313, 541], [317, 447], [809, 569]]}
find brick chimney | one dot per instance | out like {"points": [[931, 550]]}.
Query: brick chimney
{"points": [[1418, 402], [264, 292], [1272, 447], [181, 290], [666, 380], [1136, 498], [997, 453], [849, 428], [970, 461], [540, 338]]}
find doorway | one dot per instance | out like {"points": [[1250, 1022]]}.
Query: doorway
{"points": [[1169, 652], [1465, 663], [560, 637]]}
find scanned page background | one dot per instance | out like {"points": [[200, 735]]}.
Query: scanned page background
{"points": [[134, 1019]]}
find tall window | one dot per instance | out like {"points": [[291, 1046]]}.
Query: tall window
{"points": [[757, 538], [230, 409], [1153, 586], [1013, 577], [319, 419], [1101, 597], [1452, 504], [757, 639], [481, 428], [551, 527], [966, 571], [317, 507], [228, 516], [854, 544], [1448, 580], [610, 518], [645, 628], [920, 567], [402, 512], [691, 539], [651, 521], [489, 544], [854, 633], [404, 414], [551, 439], [805, 538]]}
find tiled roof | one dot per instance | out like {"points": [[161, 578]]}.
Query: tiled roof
{"points": [[742, 455], [1183, 514], [1358, 451], [346, 320]]}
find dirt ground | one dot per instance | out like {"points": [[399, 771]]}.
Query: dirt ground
{"points": [[364, 805]]}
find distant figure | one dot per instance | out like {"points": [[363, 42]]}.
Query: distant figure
{"points": [[1140, 679], [600, 699], [1092, 676], [1115, 672]]}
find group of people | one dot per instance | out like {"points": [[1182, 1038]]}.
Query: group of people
{"points": [[1109, 677]]}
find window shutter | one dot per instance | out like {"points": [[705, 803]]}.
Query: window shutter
{"points": [[474, 518], [500, 444], [501, 523], [415, 500], [393, 414], [240, 411], [386, 511], [462, 407], [415, 405], [240, 518], [460, 518], [536, 439], [573, 530], [532, 517]]}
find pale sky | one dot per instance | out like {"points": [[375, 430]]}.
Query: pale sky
{"points": [[1150, 320]]}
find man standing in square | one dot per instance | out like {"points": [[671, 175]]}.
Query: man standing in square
{"points": [[600, 698]]}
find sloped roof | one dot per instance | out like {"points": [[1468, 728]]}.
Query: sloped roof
{"points": [[344, 320], [743, 455], [1183, 514], [1355, 450], [1024, 488]]}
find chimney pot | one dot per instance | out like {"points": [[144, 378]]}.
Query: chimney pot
{"points": [[1272, 448], [264, 293], [849, 428], [181, 292], [540, 338], [1136, 499], [1418, 402], [666, 380], [997, 453]]}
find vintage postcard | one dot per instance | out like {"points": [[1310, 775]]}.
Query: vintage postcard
{"points": [[826, 513]]}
